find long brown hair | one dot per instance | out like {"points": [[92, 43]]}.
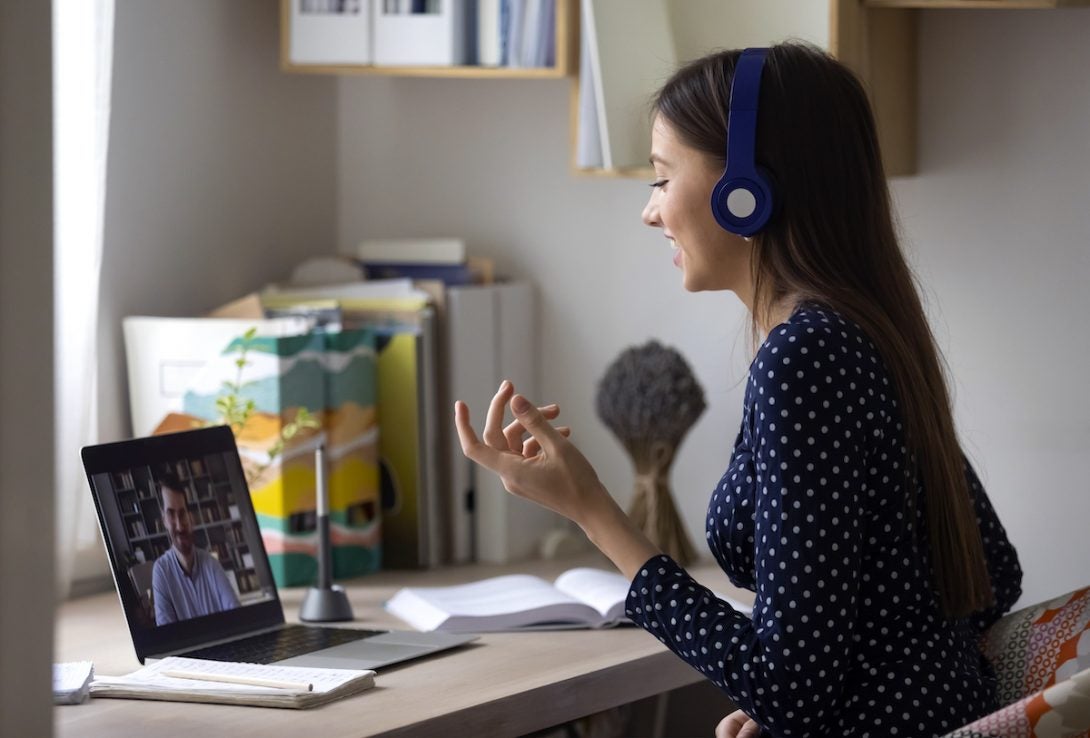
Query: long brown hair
{"points": [[833, 242]]}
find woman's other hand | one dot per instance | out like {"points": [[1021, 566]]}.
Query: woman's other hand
{"points": [[737, 725], [545, 468]]}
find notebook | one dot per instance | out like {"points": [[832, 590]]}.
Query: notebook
{"points": [[190, 565], [180, 679]]}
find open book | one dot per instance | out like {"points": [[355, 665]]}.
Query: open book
{"points": [[153, 683], [579, 598]]}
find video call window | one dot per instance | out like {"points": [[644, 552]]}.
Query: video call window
{"points": [[182, 514]]}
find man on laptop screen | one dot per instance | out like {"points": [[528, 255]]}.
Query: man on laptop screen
{"points": [[187, 581]]}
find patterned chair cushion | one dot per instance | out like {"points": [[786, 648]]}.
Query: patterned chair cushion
{"points": [[1061, 711], [1042, 644], [1041, 656]]}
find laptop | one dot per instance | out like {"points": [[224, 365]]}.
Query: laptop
{"points": [[191, 568]]}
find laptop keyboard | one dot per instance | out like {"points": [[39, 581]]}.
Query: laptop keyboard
{"points": [[291, 640]]}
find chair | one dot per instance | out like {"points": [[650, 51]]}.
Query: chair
{"points": [[1041, 656], [140, 574]]}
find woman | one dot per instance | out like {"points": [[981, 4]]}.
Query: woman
{"points": [[847, 505]]}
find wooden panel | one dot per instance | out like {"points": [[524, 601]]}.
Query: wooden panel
{"points": [[880, 45]]}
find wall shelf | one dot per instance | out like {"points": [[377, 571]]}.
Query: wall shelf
{"points": [[565, 57], [877, 39]]}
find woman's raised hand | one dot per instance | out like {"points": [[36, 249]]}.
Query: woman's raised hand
{"points": [[544, 468]]}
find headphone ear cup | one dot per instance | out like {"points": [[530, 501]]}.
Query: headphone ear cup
{"points": [[743, 205]]}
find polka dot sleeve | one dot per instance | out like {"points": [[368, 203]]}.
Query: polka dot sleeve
{"points": [[806, 437], [1004, 569]]}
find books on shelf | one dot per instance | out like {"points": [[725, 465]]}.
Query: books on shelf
{"points": [[488, 33], [234, 683]]}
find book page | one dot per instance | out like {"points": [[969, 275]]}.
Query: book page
{"points": [[512, 601], [603, 590], [606, 592], [496, 596]]}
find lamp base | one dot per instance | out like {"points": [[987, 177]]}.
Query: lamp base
{"points": [[325, 606]]}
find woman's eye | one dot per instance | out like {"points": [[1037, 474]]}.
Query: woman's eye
{"points": [[659, 183]]}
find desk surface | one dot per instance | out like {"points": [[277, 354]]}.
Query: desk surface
{"points": [[504, 684]]}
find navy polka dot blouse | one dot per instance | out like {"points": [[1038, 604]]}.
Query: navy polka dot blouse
{"points": [[846, 636]]}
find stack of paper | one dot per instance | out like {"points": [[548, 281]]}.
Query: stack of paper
{"points": [[72, 682], [234, 683]]}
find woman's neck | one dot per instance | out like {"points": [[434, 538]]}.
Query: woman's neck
{"points": [[777, 313]]}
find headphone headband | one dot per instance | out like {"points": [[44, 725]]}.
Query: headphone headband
{"points": [[742, 199]]}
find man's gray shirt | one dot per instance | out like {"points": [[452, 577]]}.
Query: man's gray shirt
{"points": [[180, 596]]}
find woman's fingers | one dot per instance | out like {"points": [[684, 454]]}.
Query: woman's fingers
{"points": [[535, 424], [514, 430], [472, 447], [531, 448], [493, 424], [750, 730]]}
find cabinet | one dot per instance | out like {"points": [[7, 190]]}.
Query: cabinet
{"points": [[565, 56]]}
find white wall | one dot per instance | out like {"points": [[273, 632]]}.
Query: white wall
{"points": [[999, 224], [26, 369], [221, 168], [996, 222]]}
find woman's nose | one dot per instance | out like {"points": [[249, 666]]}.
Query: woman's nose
{"points": [[651, 213]]}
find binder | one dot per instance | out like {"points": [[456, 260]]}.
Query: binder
{"points": [[408, 451], [491, 336], [321, 35]]}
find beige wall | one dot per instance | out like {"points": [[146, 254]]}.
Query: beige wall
{"points": [[26, 376], [996, 222], [221, 168]]}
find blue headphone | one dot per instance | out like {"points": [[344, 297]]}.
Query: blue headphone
{"points": [[742, 199]]}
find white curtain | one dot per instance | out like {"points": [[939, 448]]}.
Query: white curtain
{"points": [[82, 62]]}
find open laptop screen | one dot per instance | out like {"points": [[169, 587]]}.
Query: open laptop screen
{"points": [[182, 539]]}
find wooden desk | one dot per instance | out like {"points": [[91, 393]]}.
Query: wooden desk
{"points": [[504, 684]]}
